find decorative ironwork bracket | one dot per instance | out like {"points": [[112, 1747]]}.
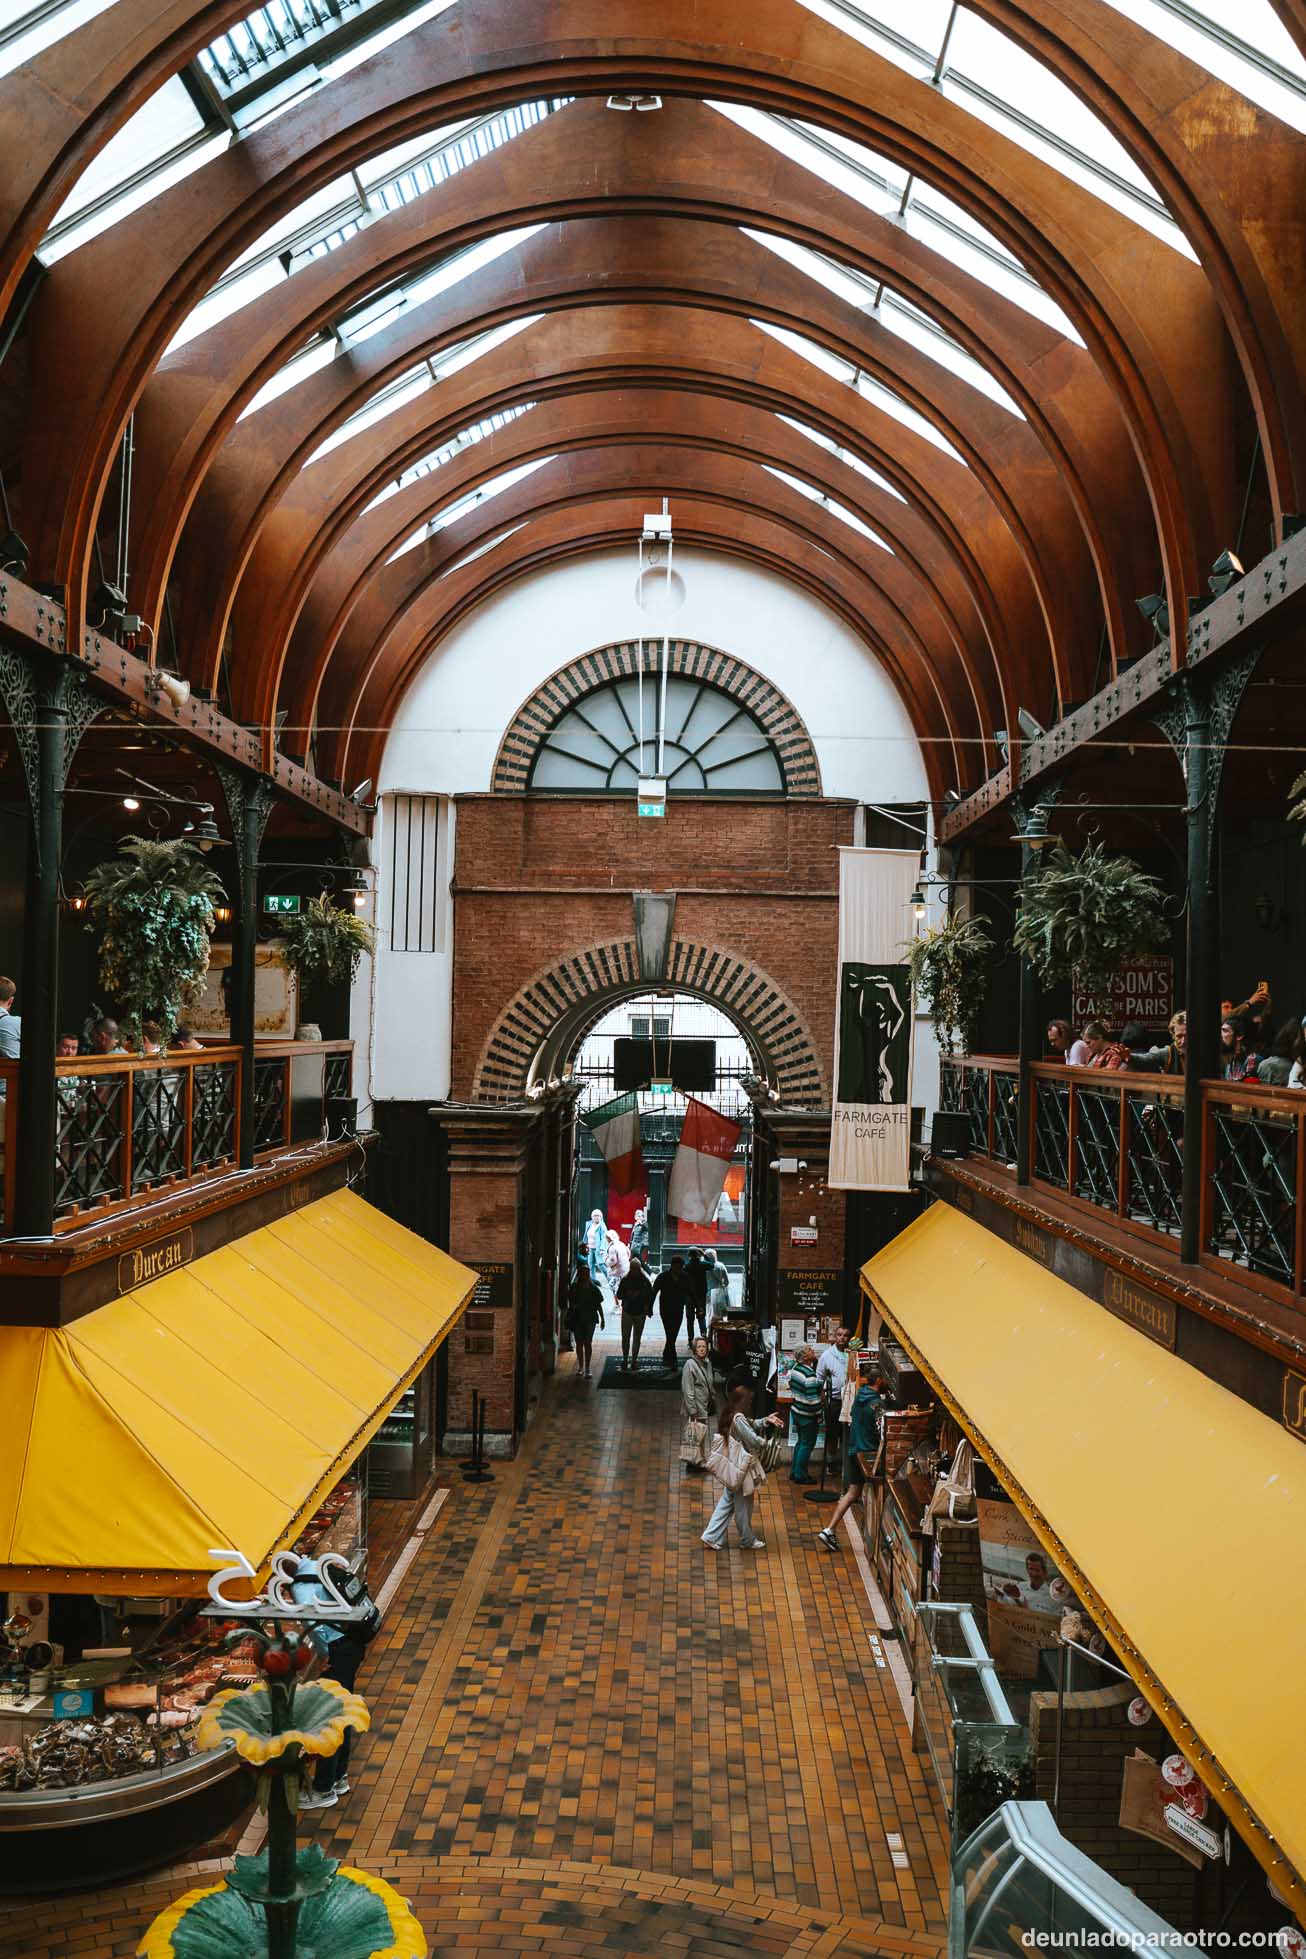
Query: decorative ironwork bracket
{"points": [[1202, 707], [250, 801], [62, 702]]}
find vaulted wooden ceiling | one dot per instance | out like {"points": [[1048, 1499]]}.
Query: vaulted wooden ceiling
{"points": [[1001, 535]]}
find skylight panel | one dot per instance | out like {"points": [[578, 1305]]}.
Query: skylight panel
{"points": [[845, 456], [470, 557], [994, 79], [28, 28], [409, 387], [814, 495], [165, 140], [862, 174], [1241, 42], [318, 354], [488, 491], [844, 371]]}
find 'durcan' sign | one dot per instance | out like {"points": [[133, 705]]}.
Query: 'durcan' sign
{"points": [[154, 1261]]}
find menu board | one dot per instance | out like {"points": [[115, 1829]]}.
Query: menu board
{"points": [[809, 1295]]}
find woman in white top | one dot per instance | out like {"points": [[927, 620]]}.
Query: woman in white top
{"points": [[737, 1437]]}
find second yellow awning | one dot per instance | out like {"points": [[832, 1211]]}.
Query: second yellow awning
{"points": [[1176, 1509], [214, 1406]]}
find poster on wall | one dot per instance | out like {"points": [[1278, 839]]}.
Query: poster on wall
{"points": [[1142, 990], [1025, 1591], [274, 996], [870, 1136]]}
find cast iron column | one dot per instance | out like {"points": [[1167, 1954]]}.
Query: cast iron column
{"points": [[249, 804], [1202, 1042], [39, 999]]}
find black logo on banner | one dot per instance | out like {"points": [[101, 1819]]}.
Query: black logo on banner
{"points": [[874, 1033]]}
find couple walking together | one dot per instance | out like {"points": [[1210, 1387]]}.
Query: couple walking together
{"points": [[730, 1448]]}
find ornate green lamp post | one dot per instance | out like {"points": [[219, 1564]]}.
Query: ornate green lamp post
{"points": [[286, 1903]]}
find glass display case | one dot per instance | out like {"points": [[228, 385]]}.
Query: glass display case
{"points": [[1018, 1885], [399, 1458], [978, 1750]]}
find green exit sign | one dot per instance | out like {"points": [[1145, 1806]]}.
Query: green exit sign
{"points": [[652, 809], [281, 901]]}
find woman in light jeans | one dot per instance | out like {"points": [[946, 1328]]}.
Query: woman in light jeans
{"points": [[735, 1425]]}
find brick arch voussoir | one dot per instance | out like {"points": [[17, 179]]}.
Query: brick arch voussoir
{"points": [[602, 973], [775, 714]]}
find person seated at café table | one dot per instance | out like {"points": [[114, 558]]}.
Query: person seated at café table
{"points": [[67, 1047], [1091, 1042], [1060, 1038], [186, 1038], [1239, 1061], [1144, 1055], [105, 1038]]}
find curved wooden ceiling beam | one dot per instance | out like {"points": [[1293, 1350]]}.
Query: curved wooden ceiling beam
{"points": [[341, 593], [1190, 134], [1147, 322], [749, 534], [59, 110], [183, 414], [922, 628], [598, 347]]}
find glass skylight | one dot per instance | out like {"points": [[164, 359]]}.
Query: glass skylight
{"points": [[466, 439], [838, 510], [891, 311], [407, 387], [340, 209], [990, 75], [165, 140], [1242, 42], [284, 48], [493, 487], [845, 456], [842, 370], [30, 25], [922, 210]]}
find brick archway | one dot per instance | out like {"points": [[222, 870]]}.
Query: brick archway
{"points": [[551, 1012], [774, 713]]}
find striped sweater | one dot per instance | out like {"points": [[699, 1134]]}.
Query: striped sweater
{"points": [[808, 1395]]}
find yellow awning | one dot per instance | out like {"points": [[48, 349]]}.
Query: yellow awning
{"points": [[215, 1406], [1176, 1510]]}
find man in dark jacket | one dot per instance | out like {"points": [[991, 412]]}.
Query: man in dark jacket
{"points": [[696, 1284], [635, 1298], [671, 1291]]}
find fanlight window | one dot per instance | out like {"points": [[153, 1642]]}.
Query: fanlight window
{"points": [[710, 744]]}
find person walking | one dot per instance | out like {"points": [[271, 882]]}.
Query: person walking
{"points": [[596, 1246], [343, 1647], [718, 1291], [698, 1401], [672, 1295], [696, 1288], [863, 1440], [584, 1313], [735, 1463], [639, 1236], [808, 1404], [616, 1261], [635, 1298]]}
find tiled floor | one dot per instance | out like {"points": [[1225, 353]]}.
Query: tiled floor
{"points": [[593, 1736]]}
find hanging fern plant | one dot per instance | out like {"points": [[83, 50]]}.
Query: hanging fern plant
{"points": [[323, 942], [1297, 813], [154, 904], [949, 973], [1085, 917]]}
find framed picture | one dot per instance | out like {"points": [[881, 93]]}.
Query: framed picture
{"points": [[274, 997]]}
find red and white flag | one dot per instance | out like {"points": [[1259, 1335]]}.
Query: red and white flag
{"points": [[615, 1128], [698, 1175]]}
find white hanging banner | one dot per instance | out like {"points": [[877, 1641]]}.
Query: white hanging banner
{"points": [[870, 1136]]}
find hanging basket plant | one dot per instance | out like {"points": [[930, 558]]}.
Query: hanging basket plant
{"points": [[322, 942], [949, 974], [1085, 917], [154, 905]]}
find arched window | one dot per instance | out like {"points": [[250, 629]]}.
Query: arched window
{"points": [[711, 745]]}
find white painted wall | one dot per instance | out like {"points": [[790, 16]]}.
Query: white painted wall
{"points": [[453, 718]]}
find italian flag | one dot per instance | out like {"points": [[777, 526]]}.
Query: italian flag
{"points": [[698, 1175], [615, 1128]]}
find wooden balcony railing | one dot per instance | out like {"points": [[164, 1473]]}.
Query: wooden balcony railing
{"points": [[130, 1126], [1114, 1142]]}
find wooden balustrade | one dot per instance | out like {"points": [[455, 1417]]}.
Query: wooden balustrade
{"points": [[129, 1126]]}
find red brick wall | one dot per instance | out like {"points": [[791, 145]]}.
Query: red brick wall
{"points": [[537, 880]]}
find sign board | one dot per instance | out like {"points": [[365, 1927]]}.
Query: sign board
{"points": [[870, 1132], [1193, 1832], [493, 1284], [74, 1703], [1294, 1403], [274, 995], [793, 1335], [803, 1234], [1022, 1584], [1140, 1307], [808, 1295], [281, 902], [148, 1262], [1144, 1799], [1017, 1638], [651, 795], [1143, 990]]}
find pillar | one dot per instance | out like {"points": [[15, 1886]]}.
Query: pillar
{"points": [[1200, 989], [39, 997], [249, 805]]}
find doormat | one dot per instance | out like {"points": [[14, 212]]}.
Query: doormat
{"points": [[643, 1373]]}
